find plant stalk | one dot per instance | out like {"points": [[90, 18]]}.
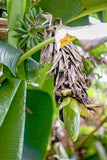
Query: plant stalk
{"points": [[35, 49], [80, 144]]}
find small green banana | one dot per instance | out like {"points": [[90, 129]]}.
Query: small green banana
{"points": [[34, 14], [23, 41], [18, 34], [23, 23], [29, 20], [29, 42], [32, 42], [22, 30], [36, 40], [31, 15]]}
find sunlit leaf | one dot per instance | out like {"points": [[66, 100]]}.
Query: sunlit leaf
{"points": [[68, 8], [12, 129], [7, 92], [71, 115], [90, 6], [72, 10], [27, 70], [84, 34], [9, 56]]}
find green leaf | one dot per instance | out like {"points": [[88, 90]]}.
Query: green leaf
{"points": [[91, 3], [43, 76], [90, 6], [7, 92], [27, 70], [38, 124], [9, 56], [71, 115], [46, 84], [12, 129], [101, 49], [71, 10], [79, 22], [15, 9], [61, 8]]}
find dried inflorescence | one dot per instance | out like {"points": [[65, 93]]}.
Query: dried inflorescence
{"points": [[69, 80]]}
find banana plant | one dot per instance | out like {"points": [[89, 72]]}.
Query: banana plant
{"points": [[27, 138]]}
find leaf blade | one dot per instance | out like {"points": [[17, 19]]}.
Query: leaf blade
{"points": [[12, 129], [9, 56], [37, 134], [7, 92]]}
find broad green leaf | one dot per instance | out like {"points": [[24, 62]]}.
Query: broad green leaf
{"points": [[90, 6], [27, 70], [7, 92], [71, 115], [46, 84], [42, 75], [9, 56], [64, 9], [38, 124], [72, 10], [91, 3], [12, 129], [15, 9], [79, 22]]}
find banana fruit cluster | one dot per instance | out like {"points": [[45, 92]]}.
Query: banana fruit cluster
{"points": [[31, 31]]}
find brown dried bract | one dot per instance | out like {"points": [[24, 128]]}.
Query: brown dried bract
{"points": [[67, 69]]}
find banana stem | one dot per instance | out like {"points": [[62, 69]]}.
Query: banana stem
{"points": [[35, 49]]}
